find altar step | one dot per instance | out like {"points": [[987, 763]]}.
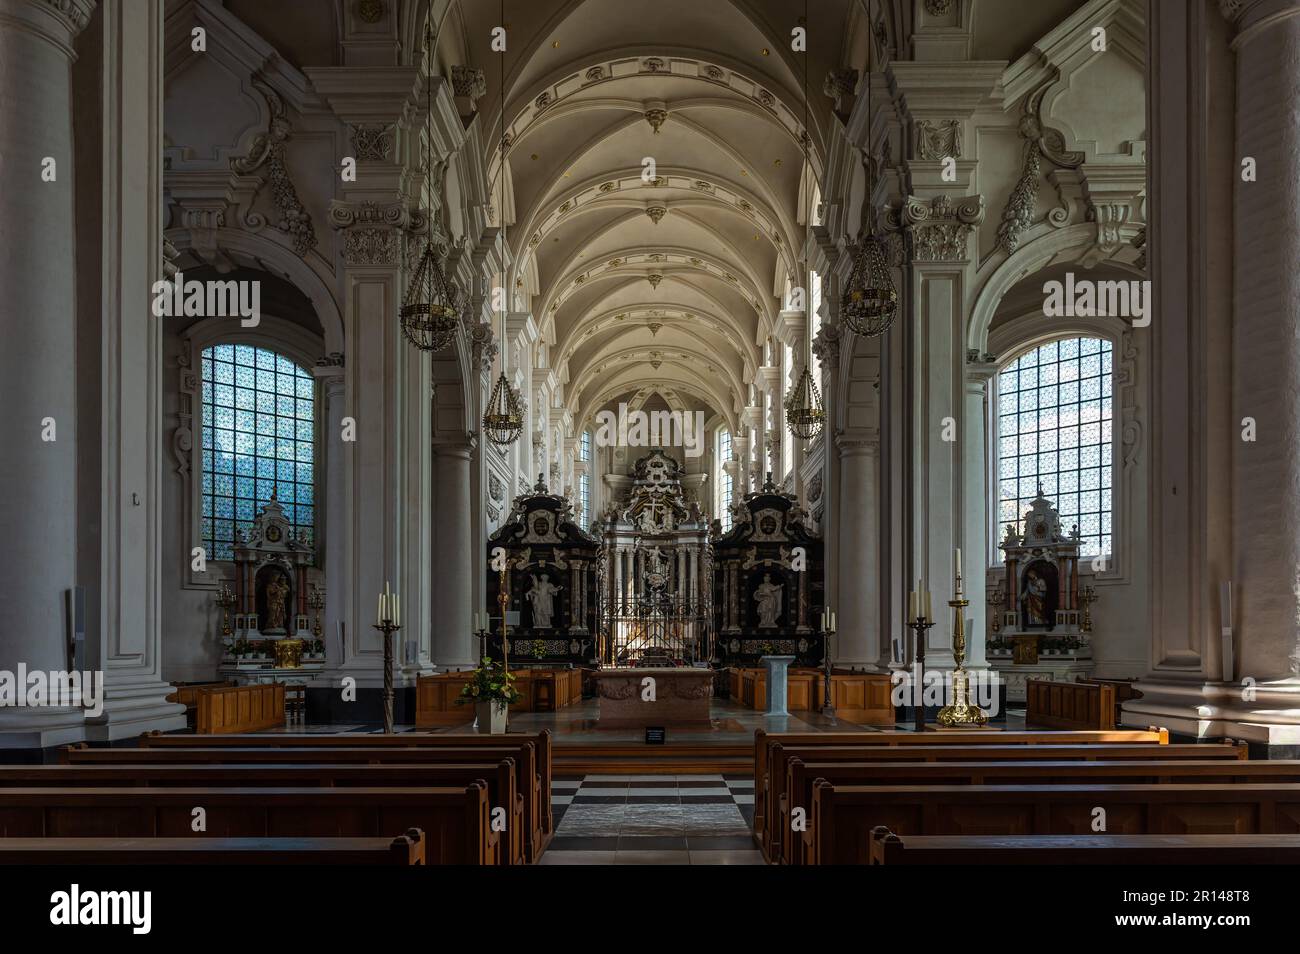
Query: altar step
{"points": [[642, 759]]}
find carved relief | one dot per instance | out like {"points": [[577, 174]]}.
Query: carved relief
{"points": [[371, 143], [468, 82], [268, 150], [1043, 141], [940, 229], [938, 140], [371, 246]]}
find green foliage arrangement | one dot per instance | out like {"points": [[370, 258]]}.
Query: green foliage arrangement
{"points": [[490, 683]]}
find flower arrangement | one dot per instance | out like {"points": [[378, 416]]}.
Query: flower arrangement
{"points": [[490, 683]]}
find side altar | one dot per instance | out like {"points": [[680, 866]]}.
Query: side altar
{"points": [[271, 639], [1041, 627]]}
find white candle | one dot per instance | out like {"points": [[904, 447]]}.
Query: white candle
{"points": [[379, 611], [958, 562], [911, 607], [832, 621], [927, 606], [397, 609]]}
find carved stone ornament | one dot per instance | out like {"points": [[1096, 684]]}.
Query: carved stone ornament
{"points": [[371, 246], [938, 8], [468, 82], [268, 149], [495, 488], [938, 140], [839, 85], [826, 345], [815, 487], [1042, 141], [370, 11], [371, 143], [940, 229]]}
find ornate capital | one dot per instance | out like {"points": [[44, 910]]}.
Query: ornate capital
{"points": [[940, 229], [826, 345], [839, 85], [468, 82]]}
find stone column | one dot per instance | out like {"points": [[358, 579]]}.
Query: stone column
{"points": [[453, 573], [975, 496], [858, 642], [38, 430], [1266, 360], [337, 594]]}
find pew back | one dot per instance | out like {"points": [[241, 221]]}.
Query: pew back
{"points": [[405, 849], [456, 821], [1069, 705]]}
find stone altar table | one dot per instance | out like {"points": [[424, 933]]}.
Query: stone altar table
{"points": [[680, 696]]}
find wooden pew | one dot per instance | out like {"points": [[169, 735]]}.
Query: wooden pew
{"points": [[456, 821], [229, 709], [843, 816], [1069, 705], [528, 783], [763, 740], [542, 740], [801, 777], [770, 801], [405, 849], [889, 849], [1125, 690], [500, 780]]}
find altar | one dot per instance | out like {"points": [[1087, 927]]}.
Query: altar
{"points": [[641, 696]]}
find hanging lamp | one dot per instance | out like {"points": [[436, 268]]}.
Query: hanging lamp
{"points": [[430, 312], [503, 421], [870, 300], [804, 414]]}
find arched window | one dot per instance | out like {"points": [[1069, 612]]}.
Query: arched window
{"points": [[1054, 416], [258, 439], [724, 479]]}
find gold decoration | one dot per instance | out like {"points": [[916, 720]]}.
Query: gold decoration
{"points": [[288, 653], [870, 300], [804, 414], [960, 712], [503, 421]]}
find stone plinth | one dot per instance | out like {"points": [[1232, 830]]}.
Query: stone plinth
{"points": [[778, 692], [679, 696]]}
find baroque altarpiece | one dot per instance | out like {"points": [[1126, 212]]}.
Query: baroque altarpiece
{"points": [[549, 582], [769, 588]]}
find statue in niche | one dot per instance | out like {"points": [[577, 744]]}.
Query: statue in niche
{"points": [[542, 596], [277, 593], [768, 597], [1037, 594]]}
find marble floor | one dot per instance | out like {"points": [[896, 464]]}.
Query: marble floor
{"points": [[652, 820]]}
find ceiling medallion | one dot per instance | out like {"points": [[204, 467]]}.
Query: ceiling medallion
{"points": [[656, 116], [804, 414], [654, 279], [870, 300], [503, 421], [656, 211]]}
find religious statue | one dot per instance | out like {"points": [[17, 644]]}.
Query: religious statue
{"points": [[277, 592], [542, 597], [656, 559], [768, 596], [1035, 599]]}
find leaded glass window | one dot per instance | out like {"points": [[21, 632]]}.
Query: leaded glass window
{"points": [[724, 479], [1054, 421], [258, 439]]}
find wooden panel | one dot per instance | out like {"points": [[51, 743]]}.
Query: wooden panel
{"points": [[406, 849], [240, 708], [1070, 705]]}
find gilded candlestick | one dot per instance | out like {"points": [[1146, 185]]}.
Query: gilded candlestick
{"points": [[960, 712]]}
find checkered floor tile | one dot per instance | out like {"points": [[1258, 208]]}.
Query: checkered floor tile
{"points": [[653, 819]]}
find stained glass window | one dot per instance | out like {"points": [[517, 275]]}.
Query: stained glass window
{"points": [[1054, 420], [724, 479], [584, 499], [258, 438]]}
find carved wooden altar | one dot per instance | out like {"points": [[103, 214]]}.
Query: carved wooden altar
{"points": [[1041, 632], [769, 581], [550, 582]]}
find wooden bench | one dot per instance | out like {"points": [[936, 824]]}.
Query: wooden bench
{"points": [[1069, 705], [801, 777], [240, 708], [542, 741], [844, 816], [764, 740], [1125, 690], [889, 849], [528, 780], [405, 849], [770, 826], [456, 821], [500, 779]]}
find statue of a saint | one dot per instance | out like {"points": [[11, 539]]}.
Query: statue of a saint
{"points": [[542, 597], [1035, 599], [768, 596], [277, 591]]}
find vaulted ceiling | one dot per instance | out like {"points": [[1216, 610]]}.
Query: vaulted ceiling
{"points": [[666, 278]]}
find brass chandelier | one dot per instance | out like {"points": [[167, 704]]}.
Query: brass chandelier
{"points": [[804, 414], [430, 312], [503, 421], [870, 301]]}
